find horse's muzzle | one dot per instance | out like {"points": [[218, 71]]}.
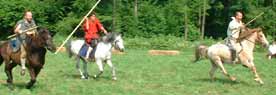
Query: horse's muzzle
{"points": [[51, 48], [122, 50]]}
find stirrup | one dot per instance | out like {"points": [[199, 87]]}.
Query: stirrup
{"points": [[22, 72], [235, 61]]}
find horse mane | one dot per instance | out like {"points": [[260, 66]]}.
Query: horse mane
{"points": [[247, 32], [2, 42], [36, 39], [109, 38]]}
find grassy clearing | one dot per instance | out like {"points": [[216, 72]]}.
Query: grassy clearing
{"points": [[141, 74]]}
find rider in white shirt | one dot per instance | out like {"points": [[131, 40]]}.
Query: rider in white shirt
{"points": [[271, 50], [233, 32]]}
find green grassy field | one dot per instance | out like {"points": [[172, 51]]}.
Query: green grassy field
{"points": [[141, 74]]}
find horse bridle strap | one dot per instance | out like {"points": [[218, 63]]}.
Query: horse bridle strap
{"points": [[116, 42]]}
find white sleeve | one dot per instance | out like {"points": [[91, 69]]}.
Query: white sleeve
{"points": [[233, 25], [272, 49]]}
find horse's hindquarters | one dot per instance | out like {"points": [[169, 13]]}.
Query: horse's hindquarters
{"points": [[219, 52]]}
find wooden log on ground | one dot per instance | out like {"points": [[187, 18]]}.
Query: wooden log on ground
{"points": [[62, 49], [163, 52]]}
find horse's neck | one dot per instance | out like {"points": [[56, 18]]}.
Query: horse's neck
{"points": [[35, 42], [249, 43], [104, 46]]}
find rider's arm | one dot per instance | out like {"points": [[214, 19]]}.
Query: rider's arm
{"points": [[86, 24], [99, 25], [17, 29], [102, 28], [33, 30]]}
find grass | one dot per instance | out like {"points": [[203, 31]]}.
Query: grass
{"points": [[141, 74]]}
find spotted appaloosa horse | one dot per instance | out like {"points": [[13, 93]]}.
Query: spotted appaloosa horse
{"points": [[219, 54]]}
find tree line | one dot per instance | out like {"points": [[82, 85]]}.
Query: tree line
{"points": [[191, 19]]}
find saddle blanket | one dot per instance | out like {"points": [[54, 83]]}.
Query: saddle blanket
{"points": [[83, 51], [15, 44]]}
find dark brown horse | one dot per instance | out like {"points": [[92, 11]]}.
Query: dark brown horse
{"points": [[36, 46]]}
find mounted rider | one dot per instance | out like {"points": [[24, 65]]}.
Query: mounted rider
{"points": [[91, 27], [234, 29], [22, 29]]}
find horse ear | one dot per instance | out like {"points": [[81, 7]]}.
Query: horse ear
{"points": [[121, 34], [259, 29], [53, 33]]}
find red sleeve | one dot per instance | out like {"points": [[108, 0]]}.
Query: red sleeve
{"points": [[85, 26], [99, 25]]}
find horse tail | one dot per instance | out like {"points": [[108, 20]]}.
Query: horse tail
{"points": [[200, 52], [1, 58], [68, 48]]}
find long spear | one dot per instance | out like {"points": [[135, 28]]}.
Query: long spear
{"points": [[76, 27], [254, 18], [32, 28], [251, 21]]}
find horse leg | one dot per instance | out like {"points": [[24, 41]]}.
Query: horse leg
{"points": [[269, 56], [8, 69], [112, 68], [212, 71], [251, 66], [33, 78], [100, 66], [78, 67], [85, 69], [219, 63], [257, 77]]}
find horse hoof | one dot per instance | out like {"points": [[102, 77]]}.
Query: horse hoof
{"points": [[213, 79], [10, 87], [28, 87], [259, 80], [114, 78], [233, 78], [82, 77], [95, 76], [22, 72], [86, 78]]}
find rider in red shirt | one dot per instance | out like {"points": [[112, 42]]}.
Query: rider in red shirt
{"points": [[91, 27]]}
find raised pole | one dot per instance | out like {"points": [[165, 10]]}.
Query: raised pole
{"points": [[254, 18], [77, 27]]}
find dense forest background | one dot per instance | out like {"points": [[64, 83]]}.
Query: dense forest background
{"points": [[190, 19]]}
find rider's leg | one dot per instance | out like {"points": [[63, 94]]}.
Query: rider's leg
{"points": [[234, 55], [23, 59], [88, 52], [87, 43], [94, 43]]}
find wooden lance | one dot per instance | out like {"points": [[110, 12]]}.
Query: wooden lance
{"points": [[77, 27]]}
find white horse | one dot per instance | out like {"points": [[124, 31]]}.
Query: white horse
{"points": [[102, 54]]}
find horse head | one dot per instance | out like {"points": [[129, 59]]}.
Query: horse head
{"points": [[116, 40], [46, 39], [256, 35], [261, 37]]}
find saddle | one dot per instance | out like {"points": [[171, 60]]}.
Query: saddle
{"points": [[84, 49], [15, 44], [232, 49]]}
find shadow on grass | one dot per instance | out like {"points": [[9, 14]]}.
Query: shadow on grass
{"points": [[77, 76], [19, 85], [223, 81]]}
